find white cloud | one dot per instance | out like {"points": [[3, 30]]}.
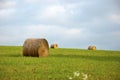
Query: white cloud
{"points": [[52, 30], [6, 13], [116, 33], [74, 32], [31, 1], [56, 14], [53, 11], [7, 9], [7, 4], [115, 18], [41, 1]]}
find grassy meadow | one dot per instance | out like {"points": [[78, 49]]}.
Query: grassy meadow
{"points": [[62, 64]]}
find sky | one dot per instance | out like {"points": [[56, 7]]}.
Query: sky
{"points": [[69, 23]]}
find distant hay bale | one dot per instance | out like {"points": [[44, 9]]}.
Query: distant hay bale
{"points": [[92, 48], [55, 46], [36, 48]]}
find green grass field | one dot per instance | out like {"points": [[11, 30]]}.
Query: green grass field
{"points": [[62, 64]]}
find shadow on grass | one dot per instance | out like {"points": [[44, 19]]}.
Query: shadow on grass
{"points": [[10, 55], [98, 58], [88, 57]]}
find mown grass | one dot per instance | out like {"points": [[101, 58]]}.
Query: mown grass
{"points": [[60, 65]]}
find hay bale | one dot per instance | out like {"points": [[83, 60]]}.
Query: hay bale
{"points": [[92, 48], [55, 46], [36, 48]]}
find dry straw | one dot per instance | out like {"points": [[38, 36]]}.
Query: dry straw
{"points": [[36, 48], [55, 46], [92, 48]]}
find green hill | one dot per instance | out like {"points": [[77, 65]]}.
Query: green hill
{"points": [[62, 64]]}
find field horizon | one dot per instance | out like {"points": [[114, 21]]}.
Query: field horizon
{"points": [[65, 48]]}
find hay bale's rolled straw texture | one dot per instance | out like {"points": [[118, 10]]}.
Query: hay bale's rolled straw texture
{"points": [[36, 48], [92, 48], [55, 46]]}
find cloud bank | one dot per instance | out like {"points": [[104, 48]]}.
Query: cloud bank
{"points": [[70, 23]]}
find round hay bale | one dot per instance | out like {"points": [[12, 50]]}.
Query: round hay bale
{"points": [[92, 48], [36, 48], [55, 46]]}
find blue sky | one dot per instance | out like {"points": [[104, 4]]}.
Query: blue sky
{"points": [[70, 23]]}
